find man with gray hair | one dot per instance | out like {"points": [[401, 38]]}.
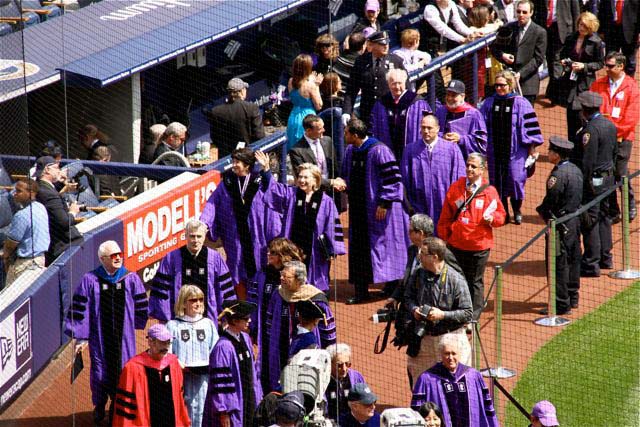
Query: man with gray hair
{"points": [[108, 306], [438, 300], [343, 377], [193, 264], [395, 117], [172, 139], [282, 320], [235, 120]]}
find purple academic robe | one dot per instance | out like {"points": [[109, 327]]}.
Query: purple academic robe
{"points": [[278, 309], [85, 322], [264, 225], [411, 106], [427, 176], [475, 405], [167, 282], [282, 199], [387, 238], [525, 132], [225, 391], [471, 128]]}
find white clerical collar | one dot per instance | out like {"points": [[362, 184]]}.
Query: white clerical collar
{"points": [[302, 330]]}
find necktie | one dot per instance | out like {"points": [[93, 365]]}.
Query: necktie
{"points": [[319, 152], [550, 14], [377, 66], [619, 6]]}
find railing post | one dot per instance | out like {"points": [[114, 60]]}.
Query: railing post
{"points": [[474, 68], [283, 163], [626, 272], [432, 90], [551, 319]]}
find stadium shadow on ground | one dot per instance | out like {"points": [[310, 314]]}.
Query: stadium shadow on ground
{"points": [[81, 419], [604, 391]]}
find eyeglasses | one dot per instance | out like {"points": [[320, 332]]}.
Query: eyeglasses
{"points": [[343, 364], [324, 45], [114, 256], [201, 299], [522, 12], [500, 85], [610, 66]]}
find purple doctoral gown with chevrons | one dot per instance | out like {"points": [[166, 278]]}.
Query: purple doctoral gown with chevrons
{"points": [[427, 176], [387, 238], [165, 286], [471, 128]]}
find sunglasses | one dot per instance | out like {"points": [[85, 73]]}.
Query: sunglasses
{"points": [[610, 66], [321, 45], [522, 12], [500, 85], [196, 299], [343, 364], [114, 256]]}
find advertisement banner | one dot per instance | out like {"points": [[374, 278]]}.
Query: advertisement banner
{"points": [[154, 229], [16, 352]]}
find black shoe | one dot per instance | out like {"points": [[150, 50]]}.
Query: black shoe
{"points": [[589, 273], [517, 218], [616, 219], [357, 300], [606, 266], [574, 304], [545, 311], [633, 212], [98, 415], [507, 218]]}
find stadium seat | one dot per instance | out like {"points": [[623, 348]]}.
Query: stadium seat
{"points": [[5, 29], [45, 12], [10, 14]]}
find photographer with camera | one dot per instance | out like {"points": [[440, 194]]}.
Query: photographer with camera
{"points": [[438, 299]]}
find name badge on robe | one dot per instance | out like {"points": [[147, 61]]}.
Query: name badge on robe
{"points": [[285, 312], [615, 112], [314, 205], [105, 286], [462, 388], [200, 334], [201, 271], [118, 286], [299, 203], [345, 393], [332, 395], [167, 379], [448, 387], [507, 109], [240, 357], [185, 335], [267, 288], [187, 272], [479, 203]]}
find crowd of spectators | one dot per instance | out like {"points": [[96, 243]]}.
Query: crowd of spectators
{"points": [[424, 189]]}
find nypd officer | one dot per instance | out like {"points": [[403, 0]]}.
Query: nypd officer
{"points": [[564, 193], [594, 152], [369, 75]]}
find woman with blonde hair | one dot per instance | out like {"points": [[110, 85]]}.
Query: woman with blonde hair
{"points": [[193, 339], [513, 135], [327, 50], [580, 57], [304, 94]]}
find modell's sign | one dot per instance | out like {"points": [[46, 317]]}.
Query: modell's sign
{"points": [[156, 228]]}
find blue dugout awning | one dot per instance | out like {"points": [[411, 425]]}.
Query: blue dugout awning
{"points": [[113, 39]]}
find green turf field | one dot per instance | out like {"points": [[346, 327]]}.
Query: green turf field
{"points": [[591, 370]]}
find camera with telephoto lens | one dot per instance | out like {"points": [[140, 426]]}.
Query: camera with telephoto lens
{"points": [[387, 314]]}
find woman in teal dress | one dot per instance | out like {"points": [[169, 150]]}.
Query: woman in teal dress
{"points": [[305, 96]]}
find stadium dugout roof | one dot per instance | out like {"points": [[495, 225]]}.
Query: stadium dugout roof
{"points": [[111, 40]]}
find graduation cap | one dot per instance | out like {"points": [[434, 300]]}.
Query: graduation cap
{"points": [[237, 309]]}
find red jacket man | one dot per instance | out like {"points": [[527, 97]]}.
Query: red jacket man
{"points": [[472, 208], [621, 105]]}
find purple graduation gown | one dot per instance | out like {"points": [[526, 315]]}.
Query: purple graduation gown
{"points": [[434, 384], [427, 176], [167, 282], [85, 322], [525, 131], [279, 309], [225, 391], [411, 106], [264, 225], [471, 128], [282, 199], [387, 238]]}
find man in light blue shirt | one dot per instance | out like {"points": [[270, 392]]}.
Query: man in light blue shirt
{"points": [[28, 236]]}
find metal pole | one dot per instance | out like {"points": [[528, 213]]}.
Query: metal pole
{"points": [[474, 68], [283, 163], [432, 90], [552, 319], [626, 272]]}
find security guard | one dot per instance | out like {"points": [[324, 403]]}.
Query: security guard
{"points": [[564, 193], [369, 74], [594, 153]]}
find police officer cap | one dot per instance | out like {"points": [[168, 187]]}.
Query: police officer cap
{"points": [[291, 406], [590, 99], [380, 37], [557, 142], [237, 309], [309, 310]]}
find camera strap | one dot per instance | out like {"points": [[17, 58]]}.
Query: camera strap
{"points": [[379, 349]]}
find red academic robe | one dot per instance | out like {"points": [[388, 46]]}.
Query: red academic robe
{"points": [[132, 394]]}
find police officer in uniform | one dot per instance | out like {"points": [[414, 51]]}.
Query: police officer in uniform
{"points": [[564, 193], [595, 151], [369, 75]]}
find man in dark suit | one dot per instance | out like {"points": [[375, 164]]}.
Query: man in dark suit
{"points": [[171, 140], [525, 51], [316, 148], [558, 18], [236, 120], [369, 74], [619, 23], [61, 217], [506, 10]]}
